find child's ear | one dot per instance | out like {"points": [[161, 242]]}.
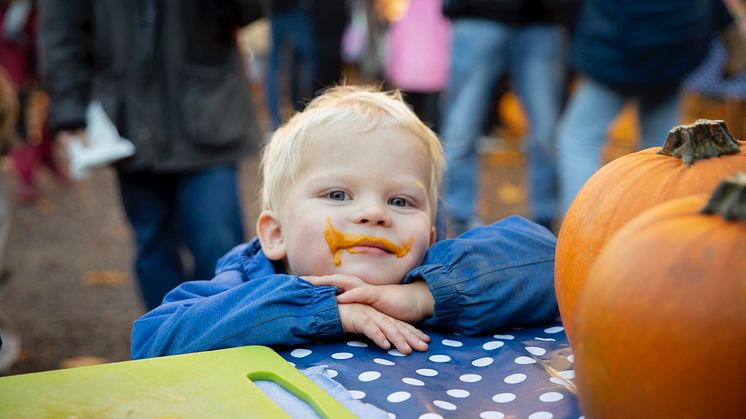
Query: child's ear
{"points": [[269, 231], [433, 236]]}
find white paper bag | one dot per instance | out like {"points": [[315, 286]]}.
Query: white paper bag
{"points": [[104, 145]]}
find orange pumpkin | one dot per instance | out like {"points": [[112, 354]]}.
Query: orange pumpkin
{"points": [[661, 322], [694, 159]]}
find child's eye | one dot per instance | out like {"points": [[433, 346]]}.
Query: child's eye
{"points": [[399, 202], [337, 195]]}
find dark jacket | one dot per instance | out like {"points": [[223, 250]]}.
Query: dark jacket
{"points": [[168, 73], [633, 43], [514, 12]]}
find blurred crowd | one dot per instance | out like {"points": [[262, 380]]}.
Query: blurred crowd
{"points": [[176, 79]]}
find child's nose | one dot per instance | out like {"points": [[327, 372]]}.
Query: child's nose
{"points": [[373, 215]]}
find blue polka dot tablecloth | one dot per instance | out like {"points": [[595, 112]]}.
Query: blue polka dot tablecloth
{"points": [[520, 373]]}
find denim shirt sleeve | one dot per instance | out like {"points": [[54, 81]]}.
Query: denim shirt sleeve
{"points": [[491, 277], [234, 310]]}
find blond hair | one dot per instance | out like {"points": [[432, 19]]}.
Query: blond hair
{"points": [[351, 108]]}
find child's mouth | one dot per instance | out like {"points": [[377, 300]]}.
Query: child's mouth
{"points": [[360, 243]]}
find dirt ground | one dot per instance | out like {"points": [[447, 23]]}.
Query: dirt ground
{"points": [[71, 295]]}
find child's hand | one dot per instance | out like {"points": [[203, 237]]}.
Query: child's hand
{"points": [[407, 302], [382, 329]]}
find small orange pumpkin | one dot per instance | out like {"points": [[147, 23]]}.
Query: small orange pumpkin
{"points": [[661, 321], [694, 159]]}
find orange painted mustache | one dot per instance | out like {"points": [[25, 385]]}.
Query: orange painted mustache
{"points": [[338, 241]]}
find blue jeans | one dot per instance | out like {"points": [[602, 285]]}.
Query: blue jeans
{"points": [[581, 133], [198, 211], [291, 61], [482, 50]]}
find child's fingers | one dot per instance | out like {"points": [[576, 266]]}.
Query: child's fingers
{"points": [[363, 295], [342, 282], [372, 330], [396, 334]]}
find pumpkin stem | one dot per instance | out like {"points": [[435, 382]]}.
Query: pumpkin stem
{"points": [[701, 140], [729, 199]]}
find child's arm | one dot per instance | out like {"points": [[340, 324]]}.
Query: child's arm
{"points": [[491, 277], [233, 310]]}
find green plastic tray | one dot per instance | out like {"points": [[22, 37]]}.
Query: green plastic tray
{"points": [[214, 384]]}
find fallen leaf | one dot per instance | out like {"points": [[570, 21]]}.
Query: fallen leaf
{"points": [[107, 278], [82, 361]]}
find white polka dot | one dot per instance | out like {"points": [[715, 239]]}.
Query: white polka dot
{"points": [[356, 394], [492, 345], [292, 364], [430, 415], [554, 329], [551, 396], [300, 353], [506, 337], [391, 415], [342, 355], [331, 373], [444, 404], [398, 396], [515, 378], [491, 414], [571, 358], [427, 372], [535, 350], [382, 361], [547, 339], [395, 352], [458, 393], [503, 397], [357, 344], [482, 362], [369, 376], [524, 360], [540, 415], [440, 358], [453, 343], [412, 381], [470, 378], [568, 374]]}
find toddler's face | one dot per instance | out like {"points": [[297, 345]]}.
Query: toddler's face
{"points": [[360, 206]]}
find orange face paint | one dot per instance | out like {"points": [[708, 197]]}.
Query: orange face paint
{"points": [[338, 241]]}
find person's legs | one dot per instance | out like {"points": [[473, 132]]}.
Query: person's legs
{"points": [[272, 76], [477, 60], [303, 71], [658, 110], [581, 134], [149, 203], [209, 216], [538, 68]]}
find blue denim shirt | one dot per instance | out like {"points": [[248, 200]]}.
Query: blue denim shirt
{"points": [[488, 278]]}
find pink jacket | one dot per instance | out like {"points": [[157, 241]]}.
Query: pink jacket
{"points": [[419, 46]]}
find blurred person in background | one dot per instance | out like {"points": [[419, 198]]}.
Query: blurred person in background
{"points": [[291, 66], [10, 342], [627, 50], [527, 39], [418, 57], [18, 26], [171, 78], [330, 17]]}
